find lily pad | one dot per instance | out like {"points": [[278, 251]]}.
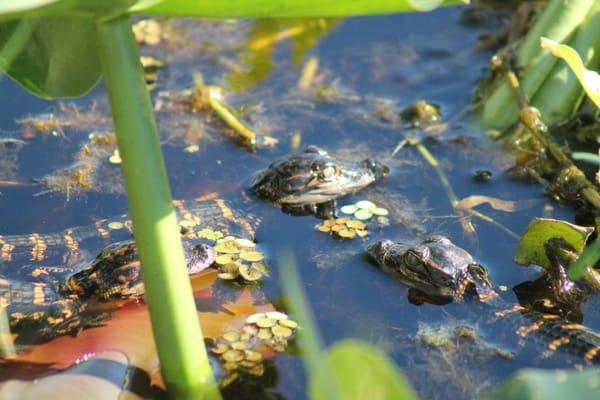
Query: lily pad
{"points": [[531, 248]]}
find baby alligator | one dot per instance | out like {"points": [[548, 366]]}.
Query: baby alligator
{"points": [[310, 181], [55, 308], [442, 271]]}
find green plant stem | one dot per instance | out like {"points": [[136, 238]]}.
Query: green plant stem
{"points": [[310, 342], [587, 259], [558, 21], [184, 363]]}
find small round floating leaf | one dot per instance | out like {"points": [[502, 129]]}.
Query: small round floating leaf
{"points": [[366, 205], [230, 366], [324, 228], [266, 322], [380, 211], [362, 232], [223, 259], [342, 220], [247, 364], [363, 214], [253, 356], [250, 274], [281, 331], [264, 333], [233, 356], [349, 209], [231, 268], [355, 224], [231, 336], [249, 330], [329, 222], [186, 223], [227, 276], [220, 348], [336, 228], [276, 315], [245, 243], [115, 225], [347, 233], [239, 345], [252, 319], [289, 323], [259, 370], [227, 248], [252, 256]]}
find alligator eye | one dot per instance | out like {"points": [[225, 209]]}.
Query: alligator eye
{"points": [[327, 173], [412, 260]]}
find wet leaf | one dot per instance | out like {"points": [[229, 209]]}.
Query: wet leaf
{"points": [[531, 384], [377, 378], [58, 56], [531, 247], [590, 80], [471, 202]]}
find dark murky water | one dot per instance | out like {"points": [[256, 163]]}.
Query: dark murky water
{"points": [[400, 58]]}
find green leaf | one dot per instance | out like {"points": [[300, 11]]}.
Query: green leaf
{"points": [[287, 8], [364, 372], [531, 247], [550, 385], [590, 80], [51, 57], [9, 7]]}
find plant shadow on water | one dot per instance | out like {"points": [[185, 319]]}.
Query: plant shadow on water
{"points": [[371, 61]]}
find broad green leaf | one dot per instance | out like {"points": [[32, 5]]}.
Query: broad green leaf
{"points": [[532, 384], [531, 247], [9, 7], [288, 8], [364, 372], [51, 56], [590, 80]]}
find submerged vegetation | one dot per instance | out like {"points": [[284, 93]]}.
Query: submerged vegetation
{"points": [[531, 101]]}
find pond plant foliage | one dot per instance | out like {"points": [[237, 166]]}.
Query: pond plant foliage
{"points": [[61, 48]]}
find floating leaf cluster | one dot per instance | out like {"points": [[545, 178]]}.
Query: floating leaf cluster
{"points": [[148, 32], [238, 259], [210, 234], [364, 210], [240, 350], [345, 228]]}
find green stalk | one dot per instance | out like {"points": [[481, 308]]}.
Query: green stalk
{"points": [[587, 259], [184, 363], [310, 342], [560, 95], [558, 21]]}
